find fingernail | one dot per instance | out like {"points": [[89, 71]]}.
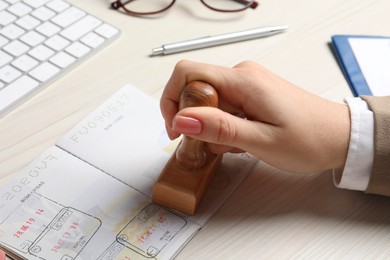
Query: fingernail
{"points": [[186, 125]]}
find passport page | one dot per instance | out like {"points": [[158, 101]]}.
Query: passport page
{"points": [[125, 137], [60, 207]]}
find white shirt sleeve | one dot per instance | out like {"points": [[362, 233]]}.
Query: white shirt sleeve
{"points": [[357, 170]]}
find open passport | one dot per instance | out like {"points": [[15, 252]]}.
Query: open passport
{"points": [[89, 196]]}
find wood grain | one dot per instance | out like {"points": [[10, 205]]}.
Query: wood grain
{"points": [[186, 176]]}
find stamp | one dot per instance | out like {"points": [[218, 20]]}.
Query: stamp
{"points": [[151, 230]]}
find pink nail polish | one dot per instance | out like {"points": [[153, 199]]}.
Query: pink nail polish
{"points": [[186, 125]]}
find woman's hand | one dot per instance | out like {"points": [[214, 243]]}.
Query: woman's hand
{"points": [[262, 114]]}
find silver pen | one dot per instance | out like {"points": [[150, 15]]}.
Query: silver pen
{"points": [[210, 41]]}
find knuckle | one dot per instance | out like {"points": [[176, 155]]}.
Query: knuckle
{"points": [[246, 63], [227, 133], [180, 65]]}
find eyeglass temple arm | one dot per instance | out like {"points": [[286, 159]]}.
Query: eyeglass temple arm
{"points": [[245, 2]]}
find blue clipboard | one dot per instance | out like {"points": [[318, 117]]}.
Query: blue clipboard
{"points": [[349, 64]]}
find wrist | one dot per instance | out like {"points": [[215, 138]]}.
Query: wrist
{"points": [[341, 130]]}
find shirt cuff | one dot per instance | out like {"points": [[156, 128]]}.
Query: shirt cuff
{"points": [[356, 173]]}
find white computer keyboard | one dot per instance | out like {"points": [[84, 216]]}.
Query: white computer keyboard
{"points": [[40, 40]]}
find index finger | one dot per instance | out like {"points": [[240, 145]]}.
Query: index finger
{"points": [[184, 73]]}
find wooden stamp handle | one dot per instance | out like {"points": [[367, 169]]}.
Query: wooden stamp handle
{"points": [[191, 154]]}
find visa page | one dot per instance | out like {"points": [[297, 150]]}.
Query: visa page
{"points": [[60, 207]]}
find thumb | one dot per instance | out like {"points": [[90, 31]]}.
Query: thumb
{"points": [[215, 126]]}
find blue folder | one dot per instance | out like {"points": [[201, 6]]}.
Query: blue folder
{"points": [[349, 64]]}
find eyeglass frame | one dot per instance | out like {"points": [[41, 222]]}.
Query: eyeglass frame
{"points": [[118, 4]]}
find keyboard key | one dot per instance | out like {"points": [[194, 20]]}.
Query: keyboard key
{"points": [[4, 58], [16, 48], [3, 5], [43, 13], [92, 40], [28, 22], [62, 59], [32, 38], [106, 30], [41, 52], [58, 5], [77, 49], [80, 28], [68, 17], [36, 3], [25, 63], [16, 90], [8, 74], [19, 9], [44, 71], [6, 18], [12, 31], [3, 41], [48, 29], [57, 42], [12, 1]]}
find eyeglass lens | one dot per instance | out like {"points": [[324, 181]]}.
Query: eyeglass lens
{"points": [[146, 6], [228, 5]]}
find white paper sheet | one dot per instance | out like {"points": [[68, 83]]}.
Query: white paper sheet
{"points": [[373, 57]]}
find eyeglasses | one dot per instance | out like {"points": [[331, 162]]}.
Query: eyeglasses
{"points": [[148, 7]]}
